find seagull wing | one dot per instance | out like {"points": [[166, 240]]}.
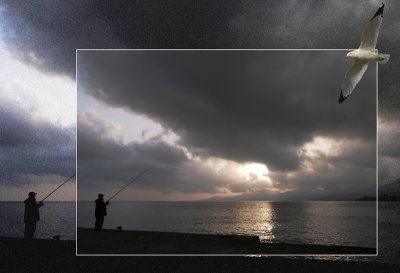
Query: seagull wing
{"points": [[371, 31], [353, 76]]}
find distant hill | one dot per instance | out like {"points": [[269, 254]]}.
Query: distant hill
{"points": [[391, 189], [388, 192]]}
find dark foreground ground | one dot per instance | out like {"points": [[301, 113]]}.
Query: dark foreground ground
{"points": [[152, 242], [59, 256]]}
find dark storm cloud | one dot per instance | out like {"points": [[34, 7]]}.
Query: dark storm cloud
{"points": [[310, 24], [53, 30], [240, 105], [389, 151], [32, 146], [331, 24], [390, 146], [323, 24]]}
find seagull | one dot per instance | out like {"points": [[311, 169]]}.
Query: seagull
{"points": [[365, 53]]}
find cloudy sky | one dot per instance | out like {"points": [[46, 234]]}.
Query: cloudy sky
{"points": [[37, 133], [249, 124], [38, 41]]}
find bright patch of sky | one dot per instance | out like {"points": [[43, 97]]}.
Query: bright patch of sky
{"points": [[321, 145], [133, 127], [48, 97]]}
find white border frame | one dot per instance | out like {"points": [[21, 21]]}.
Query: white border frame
{"points": [[222, 255]]}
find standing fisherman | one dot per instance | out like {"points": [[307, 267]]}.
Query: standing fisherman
{"points": [[31, 215], [100, 212], [101, 209]]}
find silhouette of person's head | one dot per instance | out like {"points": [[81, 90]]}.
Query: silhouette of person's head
{"points": [[101, 195], [32, 194]]}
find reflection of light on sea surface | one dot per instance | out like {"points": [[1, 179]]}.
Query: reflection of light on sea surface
{"points": [[326, 223], [253, 218], [266, 222]]}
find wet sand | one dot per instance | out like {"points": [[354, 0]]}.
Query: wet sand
{"points": [[152, 242], [17, 255]]}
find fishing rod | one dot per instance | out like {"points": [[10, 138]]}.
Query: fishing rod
{"points": [[134, 179], [58, 187]]}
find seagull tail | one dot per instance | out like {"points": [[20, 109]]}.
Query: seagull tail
{"points": [[383, 58], [341, 97]]}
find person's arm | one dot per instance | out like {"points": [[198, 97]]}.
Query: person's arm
{"points": [[108, 202], [40, 204]]}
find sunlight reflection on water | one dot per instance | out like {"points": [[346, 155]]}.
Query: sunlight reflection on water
{"points": [[326, 223]]}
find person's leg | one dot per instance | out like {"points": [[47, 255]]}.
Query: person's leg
{"points": [[101, 222], [97, 224], [29, 232], [26, 231], [33, 229]]}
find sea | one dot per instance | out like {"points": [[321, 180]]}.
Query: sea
{"points": [[56, 218], [334, 223], [350, 223]]}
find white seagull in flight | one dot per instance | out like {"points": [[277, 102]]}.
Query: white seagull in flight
{"points": [[365, 53]]}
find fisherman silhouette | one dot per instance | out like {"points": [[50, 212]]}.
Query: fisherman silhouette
{"points": [[100, 212], [31, 215]]}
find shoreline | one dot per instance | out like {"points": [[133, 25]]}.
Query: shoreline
{"points": [[44, 255], [175, 243]]}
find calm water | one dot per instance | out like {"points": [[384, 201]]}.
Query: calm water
{"points": [[332, 223], [57, 218], [349, 223], [319, 222], [389, 232]]}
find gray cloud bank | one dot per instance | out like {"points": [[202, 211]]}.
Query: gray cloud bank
{"points": [[243, 106], [51, 31], [30, 146]]}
